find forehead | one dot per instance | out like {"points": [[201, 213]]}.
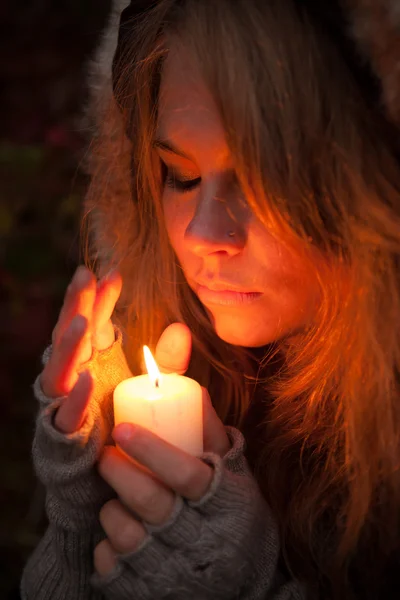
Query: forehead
{"points": [[187, 111]]}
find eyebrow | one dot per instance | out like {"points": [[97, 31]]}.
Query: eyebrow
{"points": [[168, 146]]}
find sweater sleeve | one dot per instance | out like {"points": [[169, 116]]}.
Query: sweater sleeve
{"points": [[61, 565], [223, 547]]}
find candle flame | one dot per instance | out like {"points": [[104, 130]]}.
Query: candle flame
{"points": [[151, 367]]}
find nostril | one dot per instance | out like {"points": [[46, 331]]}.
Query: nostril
{"points": [[213, 233]]}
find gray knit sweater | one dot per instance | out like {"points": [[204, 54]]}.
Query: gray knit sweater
{"points": [[224, 546]]}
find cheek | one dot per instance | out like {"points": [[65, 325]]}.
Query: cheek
{"points": [[296, 287], [285, 271], [177, 218], [290, 300]]}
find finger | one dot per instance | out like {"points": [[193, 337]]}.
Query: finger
{"points": [[124, 532], [138, 490], [174, 349], [79, 299], [79, 278], [215, 437], [60, 373], [107, 294], [72, 412], [187, 475], [105, 558]]}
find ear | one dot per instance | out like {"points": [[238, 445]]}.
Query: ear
{"points": [[174, 349]]}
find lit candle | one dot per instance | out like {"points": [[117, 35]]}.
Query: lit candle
{"points": [[169, 405]]}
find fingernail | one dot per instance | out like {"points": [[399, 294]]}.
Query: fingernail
{"points": [[78, 324], [123, 432], [82, 276], [111, 276]]}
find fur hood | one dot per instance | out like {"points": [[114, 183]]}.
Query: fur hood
{"points": [[373, 28]]}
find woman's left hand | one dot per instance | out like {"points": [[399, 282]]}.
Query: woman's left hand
{"points": [[148, 485]]}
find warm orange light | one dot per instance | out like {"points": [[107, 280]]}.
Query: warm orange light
{"points": [[151, 366]]}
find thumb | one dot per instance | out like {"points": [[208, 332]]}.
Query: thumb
{"points": [[214, 434], [174, 349]]}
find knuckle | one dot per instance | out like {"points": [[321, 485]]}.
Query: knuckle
{"points": [[153, 505], [66, 339], [76, 330], [193, 480], [55, 379], [124, 531], [186, 477], [145, 500], [104, 337], [127, 536], [47, 381]]}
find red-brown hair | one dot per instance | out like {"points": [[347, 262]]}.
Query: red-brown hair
{"points": [[328, 180]]}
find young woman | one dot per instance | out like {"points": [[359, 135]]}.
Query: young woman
{"points": [[245, 192]]}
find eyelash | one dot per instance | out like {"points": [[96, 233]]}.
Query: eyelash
{"points": [[180, 185]]}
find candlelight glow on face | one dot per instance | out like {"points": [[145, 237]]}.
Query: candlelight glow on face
{"points": [[170, 405], [254, 288]]}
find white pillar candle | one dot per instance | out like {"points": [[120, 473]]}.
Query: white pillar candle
{"points": [[169, 405]]}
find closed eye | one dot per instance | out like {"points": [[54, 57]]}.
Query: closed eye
{"points": [[180, 183]]}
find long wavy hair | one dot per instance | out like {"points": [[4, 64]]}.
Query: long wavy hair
{"points": [[319, 166]]}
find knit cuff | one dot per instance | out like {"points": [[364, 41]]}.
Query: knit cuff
{"points": [[46, 420], [208, 547], [64, 462]]}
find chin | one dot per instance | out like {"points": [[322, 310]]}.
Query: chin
{"points": [[239, 332]]}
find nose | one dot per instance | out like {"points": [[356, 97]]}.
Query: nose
{"points": [[219, 225]]}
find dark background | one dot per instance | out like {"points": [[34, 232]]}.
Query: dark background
{"points": [[44, 49]]}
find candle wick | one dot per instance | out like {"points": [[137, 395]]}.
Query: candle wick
{"points": [[157, 383]]}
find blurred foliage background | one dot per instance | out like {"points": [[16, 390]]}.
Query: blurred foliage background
{"points": [[44, 50]]}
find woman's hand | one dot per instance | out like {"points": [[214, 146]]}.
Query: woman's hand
{"points": [[84, 323], [147, 486]]}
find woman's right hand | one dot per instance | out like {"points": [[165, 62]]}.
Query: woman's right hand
{"points": [[84, 323]]}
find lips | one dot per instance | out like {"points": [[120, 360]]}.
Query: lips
{"points": [[223, 286], [224, 295]]}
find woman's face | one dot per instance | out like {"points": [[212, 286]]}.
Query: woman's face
{"points": [[255, 290]]}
